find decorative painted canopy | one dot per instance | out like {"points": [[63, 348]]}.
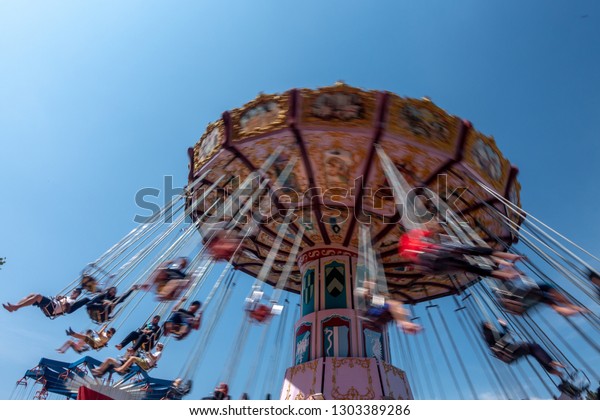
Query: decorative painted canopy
{"points": [[337, 180]]}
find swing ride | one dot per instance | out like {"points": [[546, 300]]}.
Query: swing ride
{"points": [[310, 192]]}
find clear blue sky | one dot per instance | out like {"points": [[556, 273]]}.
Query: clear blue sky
{"points": [[98, 100]]}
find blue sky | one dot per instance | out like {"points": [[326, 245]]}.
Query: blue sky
{"points": [[100, 100]]}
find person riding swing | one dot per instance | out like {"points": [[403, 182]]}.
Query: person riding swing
{"points": [[182, 321], [508, 351], [423, 248], [517, 297], [222, 247], [100, 307], [169, 279], [258, 311], [88, 341], [50, 306], [381, 309]]}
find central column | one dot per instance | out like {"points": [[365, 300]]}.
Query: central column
{"points": [[336, 352]]}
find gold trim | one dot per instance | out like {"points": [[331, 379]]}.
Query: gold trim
{"points": [[312, 366], [352, 393], [396, 372], [498, 180], [275, 122], [433, 127], [366, 102], [515, 188], [200, 160]]}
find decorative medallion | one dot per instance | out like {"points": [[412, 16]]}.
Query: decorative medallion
{"points": [[487, 159], [258, 116], [209, 144], [264, 114], [338, 106], [423, 121]]}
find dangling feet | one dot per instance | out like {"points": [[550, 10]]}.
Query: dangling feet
{"points": [[409, 327], [9, 307], [569, 310], [564, 311], [580, 309]]}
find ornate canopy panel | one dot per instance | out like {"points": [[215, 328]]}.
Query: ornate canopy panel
{"points": [[338, 182]]}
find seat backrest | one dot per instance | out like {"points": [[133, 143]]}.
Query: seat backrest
{"points": [[502, 351]]}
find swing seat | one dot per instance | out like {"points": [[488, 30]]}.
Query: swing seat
{"points": [[158, 279], [98, 316], [574, 385], [570, 389], [171, 290], [48, 314], [262, 313], [518, 301], [147, 346], [179, 332], [504, 357], [185, 388], [379, 314], [160, 286], [166, 286], [150, 368], [93, 344], [502, 351], [223, 248], [177, 392]]}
